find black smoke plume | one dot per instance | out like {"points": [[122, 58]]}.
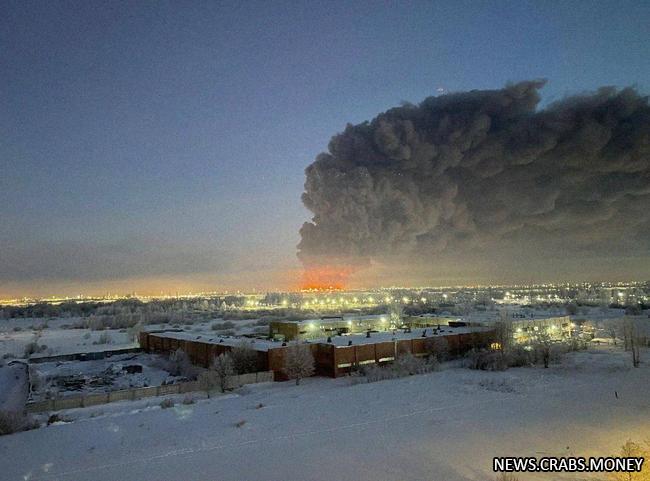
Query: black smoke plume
{"points": [[485, 172]]}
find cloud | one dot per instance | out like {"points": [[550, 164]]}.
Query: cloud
{"points": [[484, 172]]}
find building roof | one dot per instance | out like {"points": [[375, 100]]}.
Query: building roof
{"points": [[255, 343], [400, 335], [339, 341]]}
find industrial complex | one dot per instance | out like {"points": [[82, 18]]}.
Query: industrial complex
{"points": [[334, 356]]}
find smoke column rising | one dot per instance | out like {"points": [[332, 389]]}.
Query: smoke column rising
{"points": [[485, 172]]}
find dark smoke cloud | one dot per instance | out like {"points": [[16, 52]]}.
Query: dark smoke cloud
{"points": [[485, 172]]}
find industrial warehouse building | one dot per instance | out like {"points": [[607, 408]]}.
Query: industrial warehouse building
{"points": [[334, 357], [324, 327]]}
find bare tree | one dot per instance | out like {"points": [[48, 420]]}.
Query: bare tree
{"points": [[298, 362], [504, 334], [612, 327], [181, 365], [134, 332], [633, 339], [543, 348], [223, 369], [244, 358], [395, 312], [632, 449], [208, 381]]}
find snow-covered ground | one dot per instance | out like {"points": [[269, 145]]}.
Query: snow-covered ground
{"points": [[59, 338], [13, 387], [101, 375], [15, 334], [440, 426]]}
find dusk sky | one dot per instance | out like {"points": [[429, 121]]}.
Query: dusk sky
{"points": [[162, 146]]}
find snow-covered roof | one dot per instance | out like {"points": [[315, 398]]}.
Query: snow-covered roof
{"points": [[357, 339], [400, 335], [211, 338]]}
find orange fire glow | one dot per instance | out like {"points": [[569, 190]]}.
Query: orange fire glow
{"points": [[325, 278]]}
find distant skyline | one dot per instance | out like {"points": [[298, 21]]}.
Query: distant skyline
{"points": [[161, 147]]}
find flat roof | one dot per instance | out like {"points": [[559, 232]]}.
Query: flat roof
{"points": [[255, 343], [338, 341], [400, 335]]}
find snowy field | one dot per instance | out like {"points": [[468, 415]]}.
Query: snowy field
{"points": [[57, 337], [442, 426]]}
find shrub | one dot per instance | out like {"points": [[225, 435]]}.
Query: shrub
{"points": [[104, 338], [374, 373], [208, 380], [166, 403], [31, 348], [134, 332], [188, 399], [220, 326], [506, 477], [517, 357], [13, 422], [54, 418], [180, 365], [485, 360], [576, 345], [408, 365]]}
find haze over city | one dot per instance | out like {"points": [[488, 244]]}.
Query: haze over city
{"points": [[157, 148], [324, 241]]}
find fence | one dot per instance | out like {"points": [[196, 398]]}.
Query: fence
{"points": [[72, 402]]}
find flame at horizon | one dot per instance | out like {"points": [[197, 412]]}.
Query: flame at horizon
{"points": [[326, 277]]}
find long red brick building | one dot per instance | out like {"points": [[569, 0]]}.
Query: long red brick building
{"points": [[334, 357]]}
